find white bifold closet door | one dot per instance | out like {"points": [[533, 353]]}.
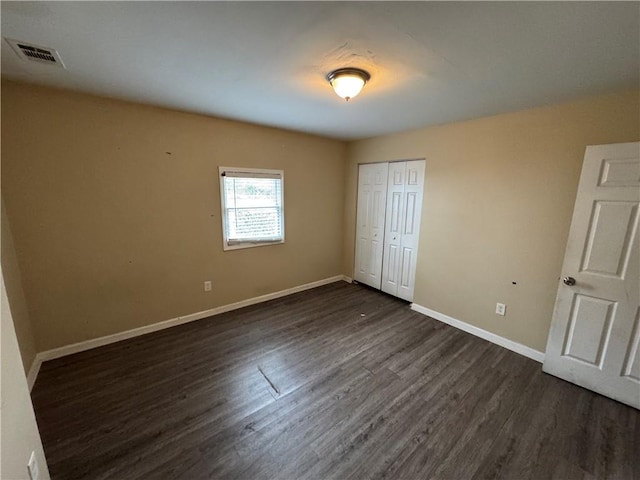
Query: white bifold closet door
{"points": [[388, 225], [372, 195], [402, 227]]}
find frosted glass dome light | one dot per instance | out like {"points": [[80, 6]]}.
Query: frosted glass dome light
{"points": [[348, 82]]}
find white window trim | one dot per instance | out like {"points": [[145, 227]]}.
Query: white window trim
{"points": [[235, 246]]}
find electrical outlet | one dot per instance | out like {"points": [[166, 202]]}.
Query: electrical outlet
{"points": [[501, 309], [32, 467], [207, 286]]}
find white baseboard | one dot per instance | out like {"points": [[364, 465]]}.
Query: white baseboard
{"points": [[136, 332], [479, 332], [33, 371], [347, 279]]}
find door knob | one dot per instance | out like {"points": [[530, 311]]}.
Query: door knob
{"points": [[569, 281]]}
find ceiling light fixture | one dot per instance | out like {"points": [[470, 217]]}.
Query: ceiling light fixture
{"points": [[347, 82]]}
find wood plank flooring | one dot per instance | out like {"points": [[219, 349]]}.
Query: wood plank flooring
{"points": [[336, 382]]}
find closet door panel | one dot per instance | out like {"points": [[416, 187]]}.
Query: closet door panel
{"points": [[372, 195], [410, 229], [393, 257], [405, 269], [396, 207]]}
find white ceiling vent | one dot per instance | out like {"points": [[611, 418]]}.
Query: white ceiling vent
{"points": [[36, 53]]}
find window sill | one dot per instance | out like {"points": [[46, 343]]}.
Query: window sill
{"points": [[240, 245]]}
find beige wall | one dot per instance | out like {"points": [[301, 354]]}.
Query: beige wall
{"points": [[19, 434], [15, 293], [115, 211], [499, 195]]}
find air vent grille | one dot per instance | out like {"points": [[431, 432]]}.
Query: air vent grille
{"points": [[36, 53]]}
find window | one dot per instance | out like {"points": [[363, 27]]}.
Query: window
{"points": [[252, 207]]}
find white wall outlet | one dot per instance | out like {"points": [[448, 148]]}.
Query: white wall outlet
{"points": [[501, 309], [32, 467], [207, 286]]}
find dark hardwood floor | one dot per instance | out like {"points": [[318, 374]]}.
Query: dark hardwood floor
{"points": [[336, 382]]}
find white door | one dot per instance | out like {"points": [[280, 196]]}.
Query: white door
{"points": [[595, 332], [402, 228], [393, 228], [372, 194]]}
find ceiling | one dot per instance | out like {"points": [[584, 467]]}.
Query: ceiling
{"points": [[266, 62]]}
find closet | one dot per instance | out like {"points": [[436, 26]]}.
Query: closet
{"points": [[388, 225]]}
